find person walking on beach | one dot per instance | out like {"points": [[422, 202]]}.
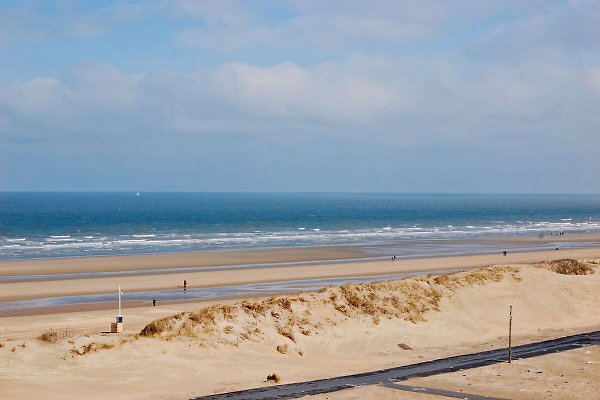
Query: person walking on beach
{"points": [[154, 302], [184, 284]]}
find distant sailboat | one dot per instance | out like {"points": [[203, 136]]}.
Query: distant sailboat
{"points": [[137, 194]]}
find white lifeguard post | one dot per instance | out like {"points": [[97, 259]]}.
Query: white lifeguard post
{"points": [[117, 327]]}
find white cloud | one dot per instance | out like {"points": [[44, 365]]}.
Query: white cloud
{"points": [[332, 77], [417, 99], [411, 95], [94, 89], [289, 91]]}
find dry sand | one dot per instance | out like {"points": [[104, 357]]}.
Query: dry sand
{"points": [[570, 375], [336, 331]]}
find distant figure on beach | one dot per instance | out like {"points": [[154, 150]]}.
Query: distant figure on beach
{"points": [[184, 284], [154, 302], [504, 252], [393, 258]]}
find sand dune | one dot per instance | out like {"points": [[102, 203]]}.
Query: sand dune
{"points": [[334, 331], [288, 319]]}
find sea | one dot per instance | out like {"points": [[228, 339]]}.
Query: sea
{"points": [[39, 225]]}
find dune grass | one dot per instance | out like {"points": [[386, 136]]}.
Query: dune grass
{"points": [[273, 378], [49, 336], [52, 336], [567, 266], [91, 347], [294, 318]]}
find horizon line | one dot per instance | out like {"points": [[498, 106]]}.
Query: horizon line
{"points": [[287, 192]]}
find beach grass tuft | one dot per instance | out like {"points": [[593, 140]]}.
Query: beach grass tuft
{"points": [[567, 266], [158, 326], [49, 336], [91, 347]]}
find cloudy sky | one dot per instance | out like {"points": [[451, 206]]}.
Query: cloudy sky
{"points": [[419, 96]]}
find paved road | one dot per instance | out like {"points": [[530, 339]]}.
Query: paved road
{"points": [[440, 366]]}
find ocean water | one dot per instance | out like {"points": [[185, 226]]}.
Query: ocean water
{"points": [[34, 225]]}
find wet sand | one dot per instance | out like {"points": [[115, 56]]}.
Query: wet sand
{"points": [[175, 260], [12, 291]]}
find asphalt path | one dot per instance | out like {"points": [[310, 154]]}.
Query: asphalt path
{"points": [[434, 367]]}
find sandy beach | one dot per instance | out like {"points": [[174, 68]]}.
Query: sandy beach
{"points": [[199, 348], [11, 290]]}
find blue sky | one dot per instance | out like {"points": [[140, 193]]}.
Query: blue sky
{"points": [[427, 96]]}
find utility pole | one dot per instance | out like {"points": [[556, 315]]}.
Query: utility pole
{"points": [[510, 336]]}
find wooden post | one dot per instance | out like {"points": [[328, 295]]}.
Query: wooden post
{"points": [[510, 336]]}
